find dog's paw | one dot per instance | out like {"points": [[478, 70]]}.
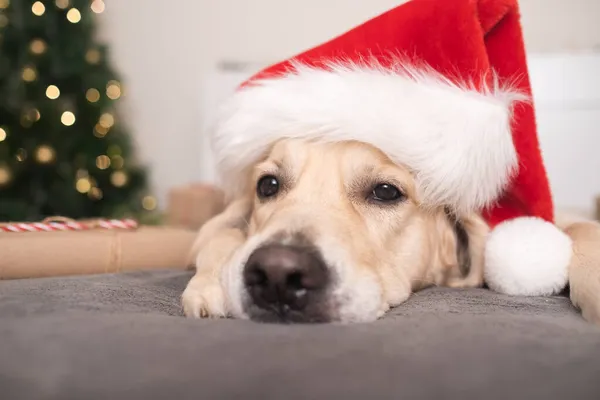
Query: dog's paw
{"points": [[204, 300]]}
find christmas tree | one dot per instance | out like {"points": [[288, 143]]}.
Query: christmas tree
{"points": [[64, 150]]}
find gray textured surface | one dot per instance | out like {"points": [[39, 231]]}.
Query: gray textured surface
{"points": [[122, 337]]}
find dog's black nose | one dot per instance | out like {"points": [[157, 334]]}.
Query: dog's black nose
{"points": [[284, 278]]}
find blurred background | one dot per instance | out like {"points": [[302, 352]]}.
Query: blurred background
{"points": [[169, 64]]}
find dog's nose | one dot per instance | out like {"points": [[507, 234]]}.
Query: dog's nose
{"points": [[280, 278]]}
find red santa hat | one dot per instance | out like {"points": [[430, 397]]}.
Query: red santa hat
{"points": [[442, 87]]}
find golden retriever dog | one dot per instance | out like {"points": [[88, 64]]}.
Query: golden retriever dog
{"points": [[330, 232], [335, 232]]}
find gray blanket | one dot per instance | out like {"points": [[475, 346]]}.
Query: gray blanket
{"points": [[122, 337]]}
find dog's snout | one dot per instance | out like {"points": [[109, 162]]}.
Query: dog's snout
{"points": [[284, 278]]}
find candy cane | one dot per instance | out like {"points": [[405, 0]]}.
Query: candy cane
{"points": [[68, 225]]}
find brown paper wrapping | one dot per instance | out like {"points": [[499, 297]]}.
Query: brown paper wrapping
{"points": [[43, 254], [192, 205]]}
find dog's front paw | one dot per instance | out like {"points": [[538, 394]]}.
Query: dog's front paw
{"points": [[204, 299]]}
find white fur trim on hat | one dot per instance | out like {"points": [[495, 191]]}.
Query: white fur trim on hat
{"points": [[456, 140], [527, 256]]}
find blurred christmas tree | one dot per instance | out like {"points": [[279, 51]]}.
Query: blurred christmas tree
{"points": [[63, 149]]}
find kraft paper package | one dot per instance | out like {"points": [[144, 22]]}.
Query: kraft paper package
{"points": [[44, 254]]}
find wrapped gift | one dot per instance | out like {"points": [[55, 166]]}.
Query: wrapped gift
{"points": [[59, 248], [192, 205]]}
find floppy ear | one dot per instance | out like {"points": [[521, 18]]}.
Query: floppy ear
{"points": [[462, 250], [222, 235]]}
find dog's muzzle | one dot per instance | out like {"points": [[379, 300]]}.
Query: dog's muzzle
{"points": [[287, 283]]}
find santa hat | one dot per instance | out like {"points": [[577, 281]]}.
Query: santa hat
{"points": [[442, 87]]}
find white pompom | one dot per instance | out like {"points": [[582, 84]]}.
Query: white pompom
{"points": [[527, 256]]}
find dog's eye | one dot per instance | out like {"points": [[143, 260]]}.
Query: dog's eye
{"points": [[267, 186], [386, 193]]}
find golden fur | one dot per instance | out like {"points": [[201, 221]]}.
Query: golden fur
{"points": [[381, 254]]}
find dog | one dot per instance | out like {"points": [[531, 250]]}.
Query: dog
{"points": [[334, 232], [329, 232]]}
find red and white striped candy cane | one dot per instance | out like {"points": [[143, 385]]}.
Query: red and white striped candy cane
{"points": [[68, 225]]}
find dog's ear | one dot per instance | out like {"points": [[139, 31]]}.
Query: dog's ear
{"points": [[223, 233], [462, 250]]}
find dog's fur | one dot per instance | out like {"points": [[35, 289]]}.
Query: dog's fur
{"points": [[377, 254]]}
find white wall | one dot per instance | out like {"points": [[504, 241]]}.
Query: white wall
{"points": [[167, 51], [566, 90]]}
